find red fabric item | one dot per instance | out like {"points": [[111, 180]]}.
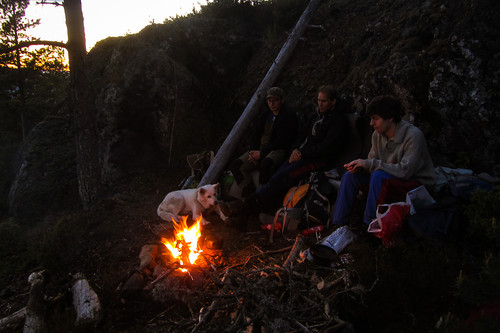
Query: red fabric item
{"points": [[313, 230], [277, 227], [308, 168], [394, 190], [389, 221]]}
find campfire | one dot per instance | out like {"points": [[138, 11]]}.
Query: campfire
{"points": [[238, 285], [184, 246]]}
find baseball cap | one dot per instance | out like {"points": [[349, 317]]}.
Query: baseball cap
{"points": [[275, 92]]}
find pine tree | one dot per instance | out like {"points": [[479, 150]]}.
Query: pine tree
{"points": [[13, 30]]}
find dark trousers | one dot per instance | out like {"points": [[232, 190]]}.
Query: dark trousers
{"points": [[288, 175]]}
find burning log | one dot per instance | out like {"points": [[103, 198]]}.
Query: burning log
{"points": [[35, 310], [294, 253], [86, 303]]}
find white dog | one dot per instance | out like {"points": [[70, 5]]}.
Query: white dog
{"points": [[190, 201]]}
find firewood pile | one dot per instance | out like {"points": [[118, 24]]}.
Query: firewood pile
{"points": [[277, 290], [33, 318], [262, 292]]}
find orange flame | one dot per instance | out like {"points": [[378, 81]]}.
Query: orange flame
{"points": [[184, 246]]}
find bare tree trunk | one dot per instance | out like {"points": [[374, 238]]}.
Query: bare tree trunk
{"points": [[228, 147], [87, 162]]}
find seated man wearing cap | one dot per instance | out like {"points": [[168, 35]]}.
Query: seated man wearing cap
{"points": [[315, 149], [270, 143]]}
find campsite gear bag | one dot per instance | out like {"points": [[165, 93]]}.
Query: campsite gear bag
{"points": [[309, 203], [389, 221], [460, 183], [291, 213], [319, 201], [419, 198], [442, 220]]}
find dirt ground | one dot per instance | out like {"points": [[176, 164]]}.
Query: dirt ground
{"points": [[404, 281]]}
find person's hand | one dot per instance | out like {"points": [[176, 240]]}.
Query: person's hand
{"points": [[295, 156], [355, 166], [254, 156]]}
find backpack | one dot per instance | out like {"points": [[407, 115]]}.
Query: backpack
{"points": [[307, 204], [291, 210], [319, 201]]}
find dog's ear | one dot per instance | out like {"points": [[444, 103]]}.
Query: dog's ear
{"points": [[202, 190], [216, 186]]}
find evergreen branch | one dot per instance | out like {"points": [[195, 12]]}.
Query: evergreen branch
{"points": [[31, 43]]}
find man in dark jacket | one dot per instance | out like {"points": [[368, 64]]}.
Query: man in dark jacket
{"points": [[270, 143], [315, 149]]}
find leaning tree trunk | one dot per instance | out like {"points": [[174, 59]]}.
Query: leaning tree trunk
{"points": [[87, 162], [234, 137]]}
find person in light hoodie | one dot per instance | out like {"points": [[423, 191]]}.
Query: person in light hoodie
{"points": [[398, 162]]}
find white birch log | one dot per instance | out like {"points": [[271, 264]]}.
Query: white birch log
{"points": [[13, 322], [85, 302], [35, 310], [233, 139]]}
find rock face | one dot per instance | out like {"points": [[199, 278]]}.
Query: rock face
{"points": [[164, 93], [46, 177], [177, 88]]}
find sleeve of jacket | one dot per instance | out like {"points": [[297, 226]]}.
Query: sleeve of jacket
{"points": [[373, 153], [284, 132], [333, 140], [254, 143], [303, 128], [411, 160]]}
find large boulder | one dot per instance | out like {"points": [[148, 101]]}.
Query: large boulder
{"points": [[46, 176]]}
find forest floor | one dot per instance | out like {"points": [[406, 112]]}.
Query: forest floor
{"points": [[408, 288]]}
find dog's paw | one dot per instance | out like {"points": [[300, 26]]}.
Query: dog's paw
{"points": [[223, 217]]}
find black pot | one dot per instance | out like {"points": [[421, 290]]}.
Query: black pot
{"points": [[323, 255]]}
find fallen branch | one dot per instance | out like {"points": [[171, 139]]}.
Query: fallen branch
{"points": [[260, 254], [205, 314], [14, 321], [292, 256], [166, 273]]}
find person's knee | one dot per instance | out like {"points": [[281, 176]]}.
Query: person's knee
{"points": [[380, 174], [378, 177], [266, 170]]}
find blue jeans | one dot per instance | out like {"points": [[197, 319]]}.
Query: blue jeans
{"points": [[349, 187]]}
